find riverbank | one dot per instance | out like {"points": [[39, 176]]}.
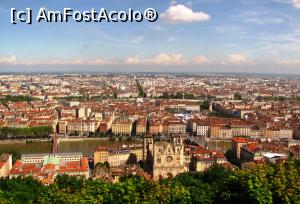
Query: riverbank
{"points": [[79, 139], [84, 145], [65, 139], [22, 141]]}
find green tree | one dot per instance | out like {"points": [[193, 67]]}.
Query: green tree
{"points": [[20, 190], [15, 154], [238, 96], [140, 89], [205, 105], [231, 157], [200, 192]]}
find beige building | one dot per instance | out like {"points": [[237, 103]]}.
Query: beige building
{"points": [[141, 126], [258, 133], [79, 126], [101, 154], [236, 145], [279, 133], [62, 127], [225, 133], [203, 130], [155, 127], [45, 167], [174, 126], [203, 158], [122, 125], [83, 112], [215, 131], [202, 164], [240, 130], [118, 156], [5, 165], [164, 159]]}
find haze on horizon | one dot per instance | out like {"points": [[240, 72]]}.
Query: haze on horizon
{"points": [[260, 36]]}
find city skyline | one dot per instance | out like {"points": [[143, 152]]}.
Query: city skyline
{"points": [[189, 36]]}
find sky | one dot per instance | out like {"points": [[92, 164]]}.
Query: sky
{"points": [[260, 36]]}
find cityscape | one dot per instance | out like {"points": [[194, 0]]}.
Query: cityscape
{"points": [[153, 102], [157, 126]]}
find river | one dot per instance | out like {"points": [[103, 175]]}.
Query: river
{"points": [[86, 147]]}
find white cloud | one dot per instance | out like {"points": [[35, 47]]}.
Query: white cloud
{"points": [[235, 59], [296, 3], [267, 20], [160, 59], [181, 14], [167, 59], [8, 60], [289, 62], [101, 62], [12, 60], [200, 60], [133, 60]]}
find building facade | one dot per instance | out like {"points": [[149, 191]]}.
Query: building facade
{"points": [[45, 167], [118, 156], [164, 159], [5, 165]]}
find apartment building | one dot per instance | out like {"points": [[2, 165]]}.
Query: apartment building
{"points": [[256, 151], [202, 128], [236, 145], [175, 126], [122, 125], [141, 126], [5, 165], [240, 130], [155, 127], [203, 158], [117, 156], [45, 167], [80, 127]]}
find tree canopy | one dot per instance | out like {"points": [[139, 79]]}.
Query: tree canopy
{"points": [[279, 183], [26, 132]]}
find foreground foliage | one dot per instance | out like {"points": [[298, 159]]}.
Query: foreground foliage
{"points": [[278, 183]]}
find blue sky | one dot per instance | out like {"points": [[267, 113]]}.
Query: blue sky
{"points": [[189, 36]]}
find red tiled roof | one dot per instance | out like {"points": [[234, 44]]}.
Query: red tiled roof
{"points": [[240, 140]]}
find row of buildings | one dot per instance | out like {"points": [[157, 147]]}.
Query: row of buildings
{"points": [[143, 116], [162, 158], [260, 151], [227, 128], [154, 159], [45, 167], [122, 86], [159, 159], [123, 125]]}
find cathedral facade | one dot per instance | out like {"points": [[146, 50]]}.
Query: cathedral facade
{"points": [[164, 159]]}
